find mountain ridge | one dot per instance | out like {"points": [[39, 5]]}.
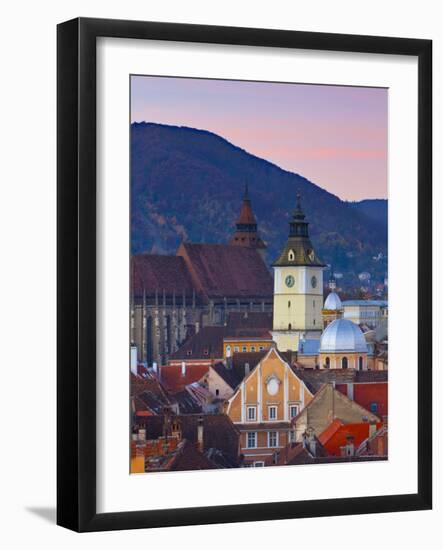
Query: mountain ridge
{"points": [[187, 184]]}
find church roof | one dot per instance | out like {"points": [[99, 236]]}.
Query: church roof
{"points": [[224, 271], [155, 272]]}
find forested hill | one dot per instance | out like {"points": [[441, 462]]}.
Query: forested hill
{"points": [[188, 184]]}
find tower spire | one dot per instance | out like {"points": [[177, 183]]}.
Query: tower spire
{"points": [[246, 233], [298, 249], [332, 283], [246, 193]]}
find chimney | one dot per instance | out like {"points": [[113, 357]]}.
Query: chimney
{"points": [[183, 368], [372, 428], [309, 441], [348, 449], [166, 421], [246, 369], [350, 391], [200, 445], [176, 430], [134, 360]]}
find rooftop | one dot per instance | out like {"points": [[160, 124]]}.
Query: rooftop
{"points": [[224, 271], [175, 380]]}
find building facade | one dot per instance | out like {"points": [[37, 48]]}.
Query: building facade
{"points": [[262, 408]]}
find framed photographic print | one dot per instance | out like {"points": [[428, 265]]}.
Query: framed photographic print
{"points": [[244, 274]]}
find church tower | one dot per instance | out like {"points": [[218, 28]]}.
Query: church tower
{"points": [[246, 233], [298, 287]]}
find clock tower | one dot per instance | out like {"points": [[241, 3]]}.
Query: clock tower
{"points": [[298, 287]]}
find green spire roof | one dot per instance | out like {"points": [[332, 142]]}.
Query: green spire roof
{"points": [[298, 250]]}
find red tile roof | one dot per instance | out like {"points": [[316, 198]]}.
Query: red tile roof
{"points": [[368, 394], [205, 345], [174, 381], [219, 432], [333, 439], [224, 271], [160, 273], [330, 430]]}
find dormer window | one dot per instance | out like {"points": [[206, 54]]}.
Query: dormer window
{"points": [[291, 255], [189, 352], [205, 352]]}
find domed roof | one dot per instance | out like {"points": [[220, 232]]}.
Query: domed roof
{"points": [[333, 301], [343, 335]]}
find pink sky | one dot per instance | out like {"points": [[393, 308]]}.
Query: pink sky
{"points": [[335, 136]]}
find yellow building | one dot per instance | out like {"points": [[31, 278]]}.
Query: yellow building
{"points": [[262, 408], [298, 287], [245, 344]]}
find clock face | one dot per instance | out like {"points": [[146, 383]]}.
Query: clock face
{"points": [[314, 282], [289, 281]]}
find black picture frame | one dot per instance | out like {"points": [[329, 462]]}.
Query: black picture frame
{"points": [[76, 293]]}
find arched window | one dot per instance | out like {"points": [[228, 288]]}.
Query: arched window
{"points": [[291, 255], [327, 363], [360, 363], [344, 363], [289, 326], [289, 303]]}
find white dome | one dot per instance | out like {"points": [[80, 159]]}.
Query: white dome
{"points": [[343, 335], [333, 302]]}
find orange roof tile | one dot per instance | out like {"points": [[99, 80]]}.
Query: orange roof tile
{"points": [[359, 432]]}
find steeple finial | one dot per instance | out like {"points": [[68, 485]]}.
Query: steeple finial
{"points": [[246, 193], [332, 283]]}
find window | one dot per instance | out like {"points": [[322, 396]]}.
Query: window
{"points": [[205, 352], [344, 363], [272, 439], [373, 407], [327, 363], [189, 352], [289, 303], [252, 348], [217, 392], [289, 326], [291, 256], [261, 348], [314, 321], [293, 411], [360, 363], [251, 441], [244, 348], [251, 413], [236, 349], [272, 412], [259, 464], [292, 436]]}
